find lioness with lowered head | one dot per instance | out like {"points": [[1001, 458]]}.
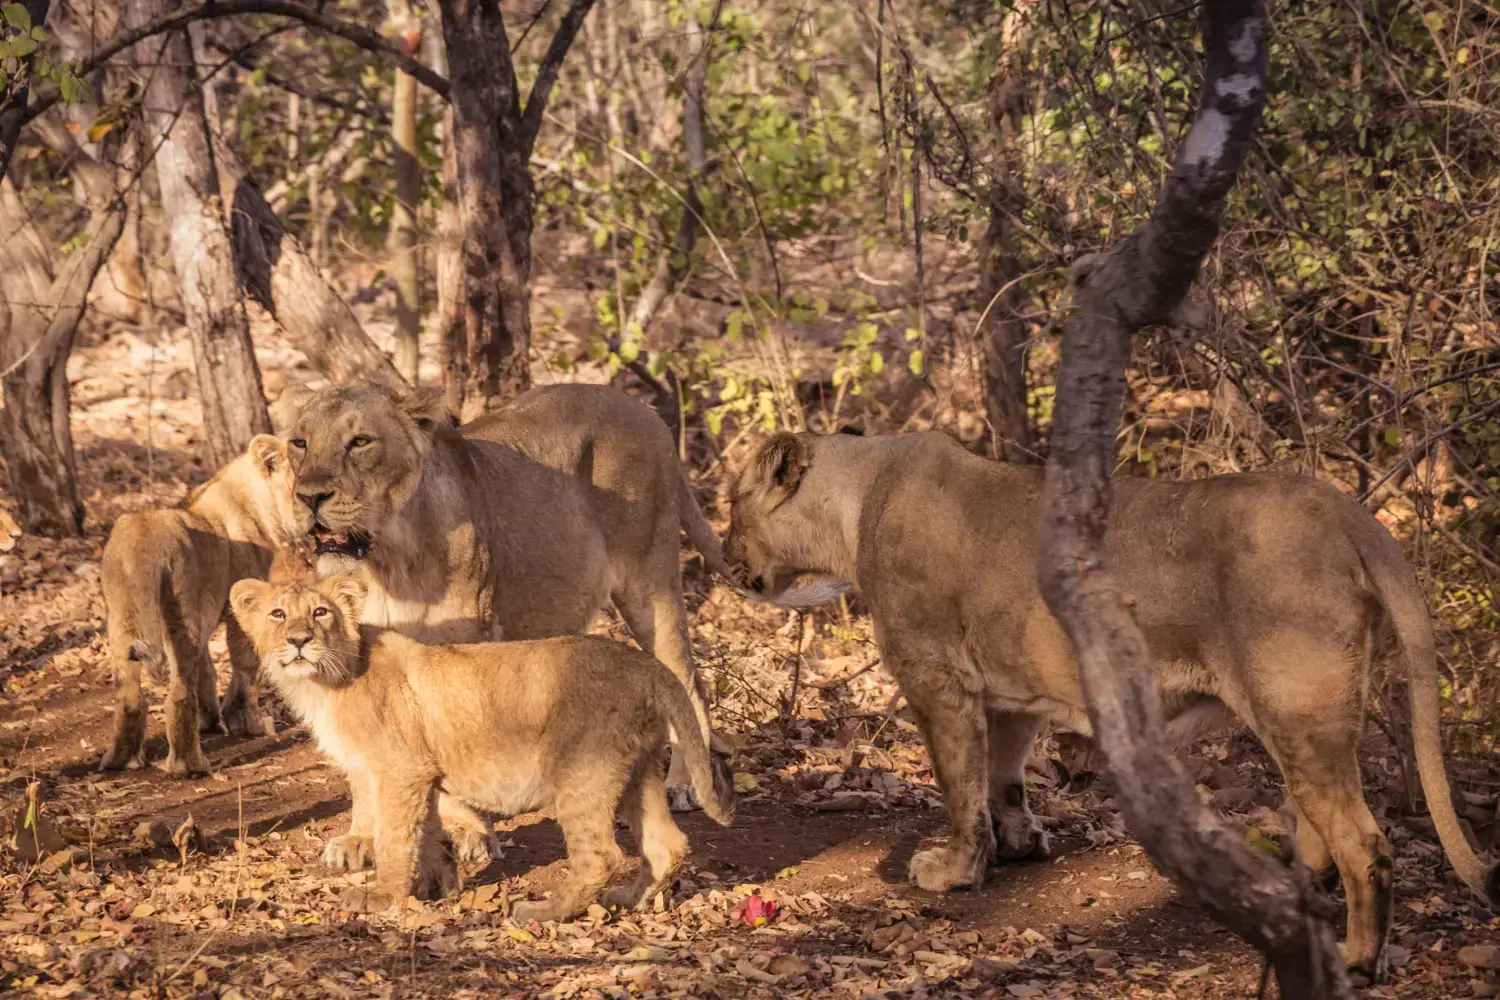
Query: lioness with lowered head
{"points": [[166, 576], [575, 723], [1261, 594], [520, 525]]}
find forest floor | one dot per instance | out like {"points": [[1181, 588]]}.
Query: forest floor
{"points": [[837, 794]]}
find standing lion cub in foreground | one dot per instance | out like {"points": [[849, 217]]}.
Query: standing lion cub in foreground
{"points": [[575, 723]]}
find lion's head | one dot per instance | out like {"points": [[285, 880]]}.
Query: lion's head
{"points": [[357, 453], [272, 487], [303, 631]]}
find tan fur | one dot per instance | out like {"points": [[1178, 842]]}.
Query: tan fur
{"points": [[576, 724], [520, 525], [166, 576], [1266, 594]]}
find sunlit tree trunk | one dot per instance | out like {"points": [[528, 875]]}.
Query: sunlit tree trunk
{"points": [[177, 127], [403, 227]]}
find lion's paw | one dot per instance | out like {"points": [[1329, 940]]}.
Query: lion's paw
{"points": [[119, 758], [186, 765], [683, 799], [943, 869], [361, 899], [437, 879], [1020, 836], [474, 846], [350, 852], [529, 911]]}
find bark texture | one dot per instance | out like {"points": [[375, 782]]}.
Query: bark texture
{"points": [[40, 318], [229, 388], [1139, 283], [492, 140], [403, 229]]}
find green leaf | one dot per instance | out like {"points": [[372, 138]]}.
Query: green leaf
{"points": [[913, 334], [914, 362], [877, 363], [601, 238], [629, 352], [16, 16], [1393, 435]]}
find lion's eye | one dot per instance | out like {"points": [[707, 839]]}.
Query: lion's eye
{"points": [[278, 614], [320, 613], [359, 441], [299, 443]]}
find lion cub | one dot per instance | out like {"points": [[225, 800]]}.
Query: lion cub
{"points": [[576, 723], [166, 575]]}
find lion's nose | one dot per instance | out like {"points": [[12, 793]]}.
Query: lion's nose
{"points": [[299, 641], [313, 500]]}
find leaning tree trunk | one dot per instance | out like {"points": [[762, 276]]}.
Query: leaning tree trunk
{"points": [[41, 319], [1139, 283], [229, 388]]}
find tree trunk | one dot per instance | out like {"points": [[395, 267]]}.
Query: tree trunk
{"points": [[1003, 332], [403, 229], [234, 407], [495, 208], [449, 272], [1138, 283], [42, 317], [492, 142]]}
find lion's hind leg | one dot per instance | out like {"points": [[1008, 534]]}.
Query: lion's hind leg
{"points": [[586, 812], [128, 746], [1306, 704], [187, 661], [662, 844]]}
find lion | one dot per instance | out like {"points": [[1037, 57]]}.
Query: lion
{"points": [[520, 525], [575, 723], [1262, 597], [166, 576]]}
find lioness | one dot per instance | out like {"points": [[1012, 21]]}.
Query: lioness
{"points": [[576, 723], [520, 526], [166, 576], [1266, 595]]}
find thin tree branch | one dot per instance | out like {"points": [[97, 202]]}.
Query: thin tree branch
{"points": [[13, 112], [212, 9], [551, 66]]}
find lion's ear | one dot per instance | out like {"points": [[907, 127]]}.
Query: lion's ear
{"points": [[781, 462], [268, 453], [248, 600], [348, 592], [428, 408], [288, 406]]}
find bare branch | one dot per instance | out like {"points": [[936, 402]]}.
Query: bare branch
{"points": [[347, 30], [551, 66]]}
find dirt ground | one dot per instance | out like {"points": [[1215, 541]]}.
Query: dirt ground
{"points": [[836, 795]]}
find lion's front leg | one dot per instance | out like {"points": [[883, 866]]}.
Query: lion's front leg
{"points": [[953, 726], [355, 850], [1018, 833], [403, 822]]}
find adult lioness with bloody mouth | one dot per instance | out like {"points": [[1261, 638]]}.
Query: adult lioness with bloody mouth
{"points": [[520, 525], [1265, 596]]}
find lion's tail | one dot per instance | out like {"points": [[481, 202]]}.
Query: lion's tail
{"points": [[713, 779], [1402, 599], [699, 531]]}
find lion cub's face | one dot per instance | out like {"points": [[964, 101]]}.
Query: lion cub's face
{"points": [[765, 527], [303, 631], [357, 454]]}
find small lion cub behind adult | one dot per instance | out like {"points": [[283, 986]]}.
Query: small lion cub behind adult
{"points": [[575, 723]]}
